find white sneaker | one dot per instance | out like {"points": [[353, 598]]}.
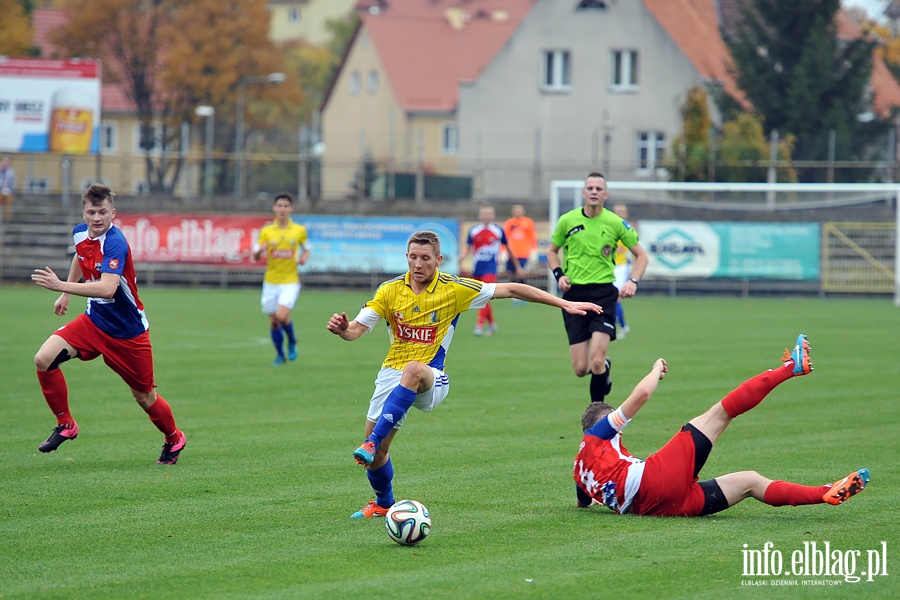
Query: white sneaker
{"points": [[623, 332]]}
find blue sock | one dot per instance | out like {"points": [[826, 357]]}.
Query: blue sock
{"points": [[620, 314], [278, 340], [289, 331], [380, 480], [395, 407]]}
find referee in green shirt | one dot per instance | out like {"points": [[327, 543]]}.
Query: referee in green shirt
{"points": [[588, 237]]}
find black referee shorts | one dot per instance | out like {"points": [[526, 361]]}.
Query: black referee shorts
{"points": [[580, 328]]}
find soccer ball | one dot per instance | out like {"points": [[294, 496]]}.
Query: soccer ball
{"points": [[408, 522]]}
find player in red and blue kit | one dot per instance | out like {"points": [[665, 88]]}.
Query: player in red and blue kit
{"points": [[485, 241], [666, 484], [114, 325]]}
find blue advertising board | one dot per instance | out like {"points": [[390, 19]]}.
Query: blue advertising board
{"points": [[373, 244]]}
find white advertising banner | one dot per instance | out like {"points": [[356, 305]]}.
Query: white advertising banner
{"points": [[49, 105]]}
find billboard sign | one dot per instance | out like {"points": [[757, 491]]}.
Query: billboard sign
{"points": [[337, 243], [744, 250], [49, 105]]}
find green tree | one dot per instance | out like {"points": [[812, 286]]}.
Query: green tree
{"points": [[692, 147], [744, 150], [803, 80]]}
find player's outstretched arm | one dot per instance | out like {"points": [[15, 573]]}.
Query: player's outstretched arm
{"points": [[523, 291], [105, 287], [338, 324], [644, 389]]}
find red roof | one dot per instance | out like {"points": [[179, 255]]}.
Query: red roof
{"points": [[694, 27], [427, 51], [885, 88], [43, 21]]}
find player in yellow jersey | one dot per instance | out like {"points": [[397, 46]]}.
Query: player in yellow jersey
{"points": [[422, 310], [284, 244], [622, 271]]}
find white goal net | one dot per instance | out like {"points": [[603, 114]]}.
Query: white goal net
{"points": [[824, 238]]}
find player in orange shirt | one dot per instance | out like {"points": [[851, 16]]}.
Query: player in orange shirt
{"points": [[522, 238]]}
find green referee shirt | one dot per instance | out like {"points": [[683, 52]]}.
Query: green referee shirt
{"points": [[589, 244]]}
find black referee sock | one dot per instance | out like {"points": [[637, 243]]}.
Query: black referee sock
{"points": [[601, 385], [598, 387]]}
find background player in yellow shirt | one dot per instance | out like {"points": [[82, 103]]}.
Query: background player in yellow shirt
{"points": [[284, 244], [422, 310], [622, 271]]}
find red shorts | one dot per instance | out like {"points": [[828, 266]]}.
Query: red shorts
{"points": [[131, 358], [668, 487], [487, 277]]}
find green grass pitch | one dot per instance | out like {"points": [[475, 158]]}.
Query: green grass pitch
{"points": [[258, 505]]}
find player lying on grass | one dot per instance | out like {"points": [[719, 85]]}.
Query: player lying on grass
{"points": [[666, 483], [422, 309]]}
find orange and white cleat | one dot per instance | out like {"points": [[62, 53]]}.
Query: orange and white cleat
{"points": [[849, 486]]}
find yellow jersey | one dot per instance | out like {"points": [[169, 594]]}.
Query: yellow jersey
{"points": [[421, 326], [281, 255], [623, 256]]}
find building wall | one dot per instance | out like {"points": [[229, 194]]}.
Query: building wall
{"points": [[505, 113], [371, 125], [121, 164], [310, 26]]}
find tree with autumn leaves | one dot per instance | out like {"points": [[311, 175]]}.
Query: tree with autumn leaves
{"points": [[15, 28], [170, 57]]}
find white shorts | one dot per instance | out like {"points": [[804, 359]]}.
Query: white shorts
{"points": [[622, 272], [389, 378], [279, 294]]}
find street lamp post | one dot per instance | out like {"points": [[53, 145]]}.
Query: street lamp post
{"points": [[209, 113], [243, 82]]}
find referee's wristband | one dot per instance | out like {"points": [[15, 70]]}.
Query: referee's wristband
{"points": [[634, 280], [557, 272]]}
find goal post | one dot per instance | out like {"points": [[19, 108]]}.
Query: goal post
{"points": [[856, 257]]}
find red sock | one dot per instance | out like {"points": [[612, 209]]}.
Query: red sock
{"points": [[161, 416], [750, 393], [486, 314], [56, 393], [782, 493]]}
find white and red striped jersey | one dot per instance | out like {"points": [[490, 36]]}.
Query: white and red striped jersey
{"points": [[606, 471]]}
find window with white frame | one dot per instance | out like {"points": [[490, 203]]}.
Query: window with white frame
{"points": [[372, 81], [355, 83], [557, 71], [156, 141], [651, 150], [624, 70], [449, 138], [109, 137]]}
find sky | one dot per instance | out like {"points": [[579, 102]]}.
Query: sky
{"points": [[873, 7]]}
